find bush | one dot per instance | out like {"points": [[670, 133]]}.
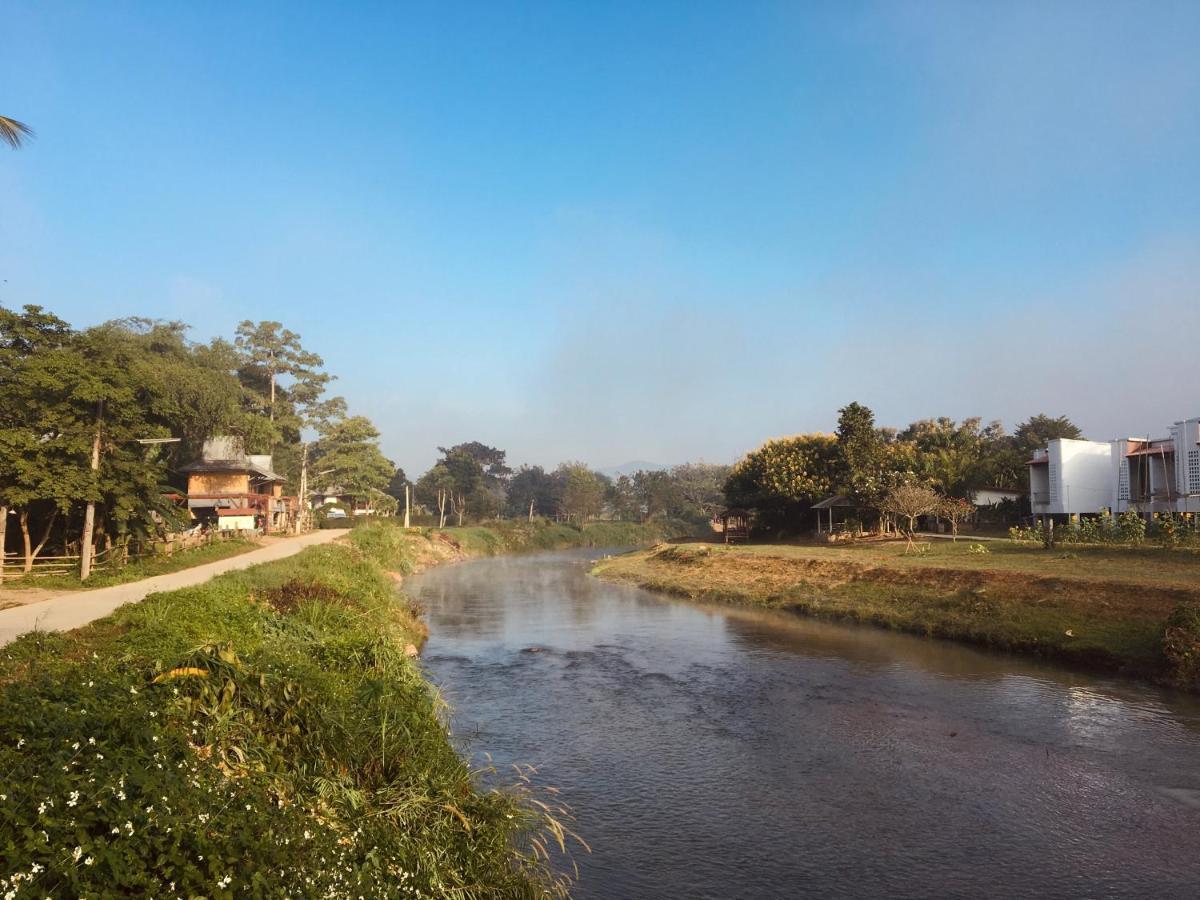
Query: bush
{"points": [[1181, 643]]}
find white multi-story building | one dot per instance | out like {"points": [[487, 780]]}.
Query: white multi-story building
{"points": [[1148, 476], [1160, 475], [1071, 478]]}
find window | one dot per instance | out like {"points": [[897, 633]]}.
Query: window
{"points": [[1193, 471], [1052, 476], [1123, 481]]}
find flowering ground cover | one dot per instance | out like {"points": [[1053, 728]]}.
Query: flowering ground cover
{"points": [[265, 734]]}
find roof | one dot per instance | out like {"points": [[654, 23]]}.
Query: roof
{"points": [[1160, 450], [240, 511], [837, 500], [231, 466]]}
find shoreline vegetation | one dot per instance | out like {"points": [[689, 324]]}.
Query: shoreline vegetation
{"points": [[268, 731], [1130, 611]]}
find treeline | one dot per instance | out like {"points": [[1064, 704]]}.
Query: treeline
{"points": [[473, 482], [94, 421], [783, 478]]}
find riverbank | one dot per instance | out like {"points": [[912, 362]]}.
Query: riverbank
{"points": [[266, 731], [1102, 608]]}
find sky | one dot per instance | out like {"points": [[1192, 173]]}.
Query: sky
{"points": [[613, 231]]}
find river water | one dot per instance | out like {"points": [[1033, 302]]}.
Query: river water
{"points": [[722, 752]]}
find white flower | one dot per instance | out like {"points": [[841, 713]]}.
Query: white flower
{"points": [[129, 827], [133, 690], [88, 861], [75, 746], [20, 743], [76, 853], [91, 740]]}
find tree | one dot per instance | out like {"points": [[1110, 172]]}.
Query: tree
{"points": [[480, 476], [347, 454], [911, 501], [13, 132], [784, 477], [655, 492], [955, 510], [532, 490], [269, 353], [699, 490], [859, 452], [582, 492], [396, 485], [437, 484], [1037, 431]]}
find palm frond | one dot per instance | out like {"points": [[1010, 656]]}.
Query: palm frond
{"points": [[13, 132]]}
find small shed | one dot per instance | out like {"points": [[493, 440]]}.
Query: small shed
{"points": [[735, 524], [241, 519], [827, 508]]}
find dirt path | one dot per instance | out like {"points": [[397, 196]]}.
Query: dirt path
{"points": [[71, 609]]}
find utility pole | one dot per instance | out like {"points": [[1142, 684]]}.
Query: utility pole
{"points": [[89, 516], [302, 513], [408, 506]]}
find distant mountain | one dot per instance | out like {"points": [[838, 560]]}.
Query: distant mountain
{"points": [[637, 465]]}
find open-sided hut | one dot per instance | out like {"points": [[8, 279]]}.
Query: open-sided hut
{"points": [[735, 525]]}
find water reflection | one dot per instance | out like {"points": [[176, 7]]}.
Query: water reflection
{"points": [[712, 751]]}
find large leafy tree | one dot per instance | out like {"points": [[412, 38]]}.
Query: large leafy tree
{"points": [[581, 495], [348, 457], [784, 477], [76, 411], [480, 476], [860, 453], [284, 377], [532, 491], [699, 490]]}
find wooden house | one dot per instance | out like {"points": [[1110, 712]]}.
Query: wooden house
{"points": [[238, 491]]}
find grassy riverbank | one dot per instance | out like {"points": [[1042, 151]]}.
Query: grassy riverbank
{"points": [[1099, 607], [266, 732]]}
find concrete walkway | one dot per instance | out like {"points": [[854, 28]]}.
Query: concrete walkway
{"points": [[965, 538], [75, 608]]}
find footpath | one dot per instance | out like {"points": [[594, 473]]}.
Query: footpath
{"points": [[72, 609]]}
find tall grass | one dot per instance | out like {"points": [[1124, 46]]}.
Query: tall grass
{"points": [[266, 732]]}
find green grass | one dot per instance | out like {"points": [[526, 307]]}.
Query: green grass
{"points": [[1096, 607], [139, 568], [267, 727]]}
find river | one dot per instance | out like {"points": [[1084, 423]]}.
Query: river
{"points": [[724, 752]]}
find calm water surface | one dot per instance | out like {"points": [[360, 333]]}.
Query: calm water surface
{"points": [[718, 752]]}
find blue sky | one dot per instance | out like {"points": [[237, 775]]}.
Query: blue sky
{"points": [[631, 230]]}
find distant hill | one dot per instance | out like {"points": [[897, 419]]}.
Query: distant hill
{"points": [[637, 465]]}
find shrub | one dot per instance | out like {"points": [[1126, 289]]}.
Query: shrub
{"points": [[1131, 527], [1181, 643]]}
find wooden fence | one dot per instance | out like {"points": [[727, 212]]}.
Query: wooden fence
{"points": [[112, 557]]}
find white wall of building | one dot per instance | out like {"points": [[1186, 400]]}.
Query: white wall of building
{"points": [[1078, 479]]}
